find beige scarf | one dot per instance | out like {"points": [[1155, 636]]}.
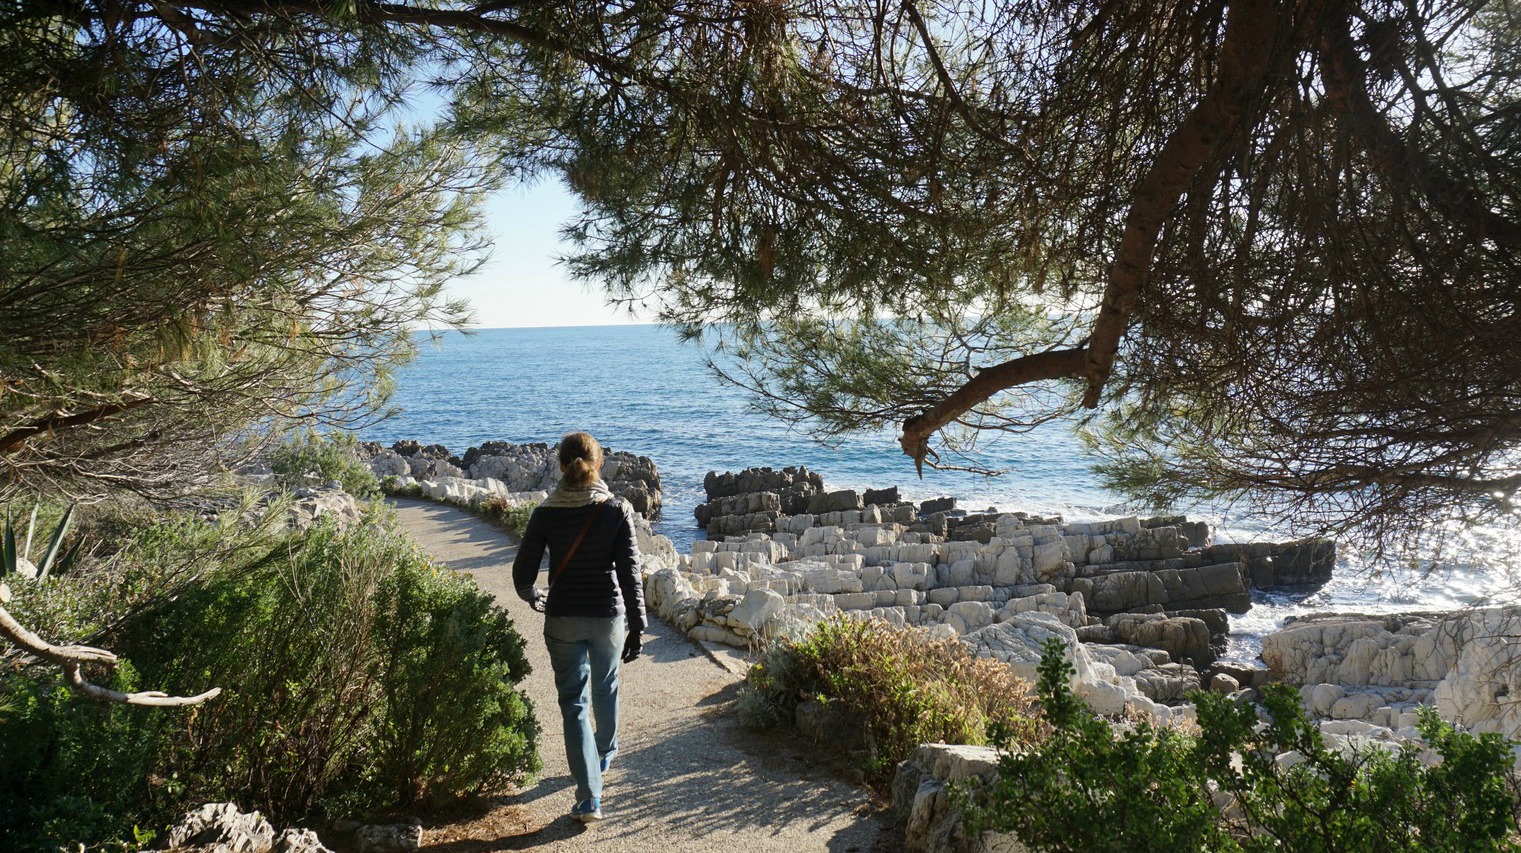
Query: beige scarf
{"points": [[569, 496]]}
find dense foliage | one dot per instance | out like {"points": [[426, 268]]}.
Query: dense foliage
{"points": [[1093, 786], [357, 676], [898, 688], [308, 459], [211, 228]]}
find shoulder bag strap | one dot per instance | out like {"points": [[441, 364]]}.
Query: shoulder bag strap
{"points": [[565, 561]]}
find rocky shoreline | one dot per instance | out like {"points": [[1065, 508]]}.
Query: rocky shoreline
{"points": [[519, 472], [1142, 603]]}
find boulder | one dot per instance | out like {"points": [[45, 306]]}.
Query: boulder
{"points": [[1354, 649], [975, 532], [221, 828], [755, 499], [936, 505], [1486, 671], [757, 613], [1217, 586], [1167, 682], [718, 485], [921, 791], [299, 841], [388, 838], [1249, 674], [520, 468], [310, 505], [841, 501], [1223, 683], [1185, 639], [1017, 642], [1307, 562], [1356, 666], [389, 463]]}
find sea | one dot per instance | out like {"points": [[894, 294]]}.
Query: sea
{"points": [[639, 388]]}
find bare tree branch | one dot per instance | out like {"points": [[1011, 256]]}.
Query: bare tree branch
{"points": [[72, 658], [989, 381], [16, 437]]}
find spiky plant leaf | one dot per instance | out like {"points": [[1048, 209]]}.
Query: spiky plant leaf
{"points": [[8, 555], [56, 543]]}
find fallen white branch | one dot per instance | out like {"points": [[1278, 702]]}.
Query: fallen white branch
{"points": [[72, 658]]}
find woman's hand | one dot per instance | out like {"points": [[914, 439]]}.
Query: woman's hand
{"points": [[632, 647]]}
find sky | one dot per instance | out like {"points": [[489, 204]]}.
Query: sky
{"points": [[523, 284]]}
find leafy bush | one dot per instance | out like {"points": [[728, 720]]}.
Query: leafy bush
{"points": [[309, 459], [357, 678], [1087, 787], [453, 656], [1091, 787], [392, 486], [1366, 800], [904, 689], [509, 516]]}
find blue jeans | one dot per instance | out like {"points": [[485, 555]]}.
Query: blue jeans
{"points": [[584, 651]]}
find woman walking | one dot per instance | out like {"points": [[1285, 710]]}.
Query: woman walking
{"points": [[593, 611]]}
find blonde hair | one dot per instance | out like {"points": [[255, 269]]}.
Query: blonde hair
{"points": [[580, 458]]}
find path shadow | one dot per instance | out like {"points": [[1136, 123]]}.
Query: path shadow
{"points": [[452, 527]]}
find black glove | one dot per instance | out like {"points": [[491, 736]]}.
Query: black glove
{"points": [[632, 647], [539, 600]]}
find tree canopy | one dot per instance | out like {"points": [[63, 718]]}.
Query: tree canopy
{"points": [[1268, 248], [211, 227]]}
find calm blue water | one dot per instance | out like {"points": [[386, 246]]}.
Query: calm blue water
{"points": [[638, 388]]}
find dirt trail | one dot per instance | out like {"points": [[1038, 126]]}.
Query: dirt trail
{"points": [[688, 776]]}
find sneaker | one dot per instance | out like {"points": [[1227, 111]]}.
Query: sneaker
{"points": [[587, 810], [607, 759]]}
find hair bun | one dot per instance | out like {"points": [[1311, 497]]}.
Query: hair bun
{"points": [[580, 456]]}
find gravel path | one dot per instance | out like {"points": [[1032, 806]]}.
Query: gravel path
{"points": [[688, 776]]}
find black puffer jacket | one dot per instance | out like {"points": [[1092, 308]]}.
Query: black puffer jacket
{"points": [[603, 576]]}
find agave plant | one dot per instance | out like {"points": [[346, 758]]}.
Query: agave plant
{"points": [[54, 559]]}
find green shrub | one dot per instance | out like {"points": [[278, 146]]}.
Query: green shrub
{"points": [[392, 486], [509, 516], [903, 689], [77, 772], [454, 656], [1370, 799], [1092, 786], [310, 459], [1088, 787], [357, 679]]}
